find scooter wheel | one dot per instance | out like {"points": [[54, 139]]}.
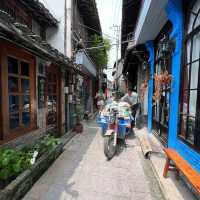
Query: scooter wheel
{"points": [[109, 148]]}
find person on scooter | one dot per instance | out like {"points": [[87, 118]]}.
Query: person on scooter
{"points": [[132, 99]]}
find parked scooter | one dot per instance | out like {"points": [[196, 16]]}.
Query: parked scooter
{"points": [[118, 126]]}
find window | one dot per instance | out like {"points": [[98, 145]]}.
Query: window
{"points": [[190, 89], [18, 107], [18, 93], [161, 108]]}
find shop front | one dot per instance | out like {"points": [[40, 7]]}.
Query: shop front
{"points": [[30, 95], [18, 94], [175, 116], [53, 97], [32, 85]]}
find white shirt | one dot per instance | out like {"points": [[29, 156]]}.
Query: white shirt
{"points": [[131, 99]]}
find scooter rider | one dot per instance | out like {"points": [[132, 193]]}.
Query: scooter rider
{"points": [[132, 99]]}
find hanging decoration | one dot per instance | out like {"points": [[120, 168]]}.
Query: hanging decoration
{"points": [[162, 83], [143, 88]]}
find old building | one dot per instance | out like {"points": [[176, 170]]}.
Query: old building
{"points": [[79, 20], [120, 84], [31, 73]]}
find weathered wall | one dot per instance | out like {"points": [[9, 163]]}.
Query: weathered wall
{"points": [[55, 36], [35, 27]]}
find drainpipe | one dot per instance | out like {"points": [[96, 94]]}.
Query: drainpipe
{"points": [[68, 28]]}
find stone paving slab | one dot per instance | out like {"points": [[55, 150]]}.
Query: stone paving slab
{"points": [[82, 172]]}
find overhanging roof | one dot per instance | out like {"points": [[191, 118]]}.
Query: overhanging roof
{"points": [[89, 13], [39, 11], [21, 36], [130, 13], [151, 20]]}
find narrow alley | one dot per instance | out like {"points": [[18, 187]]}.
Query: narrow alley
{"points": [[82, 172]]}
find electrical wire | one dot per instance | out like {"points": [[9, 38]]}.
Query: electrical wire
{"points": [[96, 31]]}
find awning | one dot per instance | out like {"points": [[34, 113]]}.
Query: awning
{"points": [[151, 20], [21, 36], [39, 11]]}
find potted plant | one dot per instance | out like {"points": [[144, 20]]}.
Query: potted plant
{"points": [[79, 116]]}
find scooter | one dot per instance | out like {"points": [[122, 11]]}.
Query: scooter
{"points": [[119, 125], [110, 137]]}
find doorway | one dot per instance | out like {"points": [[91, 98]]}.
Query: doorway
{"points": [[52, 98]]}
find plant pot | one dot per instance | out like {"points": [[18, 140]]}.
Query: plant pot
{"points": [[78, 128]]}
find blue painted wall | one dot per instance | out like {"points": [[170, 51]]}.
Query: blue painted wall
{"points": [[175, 15], [150, 48]]}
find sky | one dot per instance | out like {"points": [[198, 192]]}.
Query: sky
{"points": [[110, 12]]}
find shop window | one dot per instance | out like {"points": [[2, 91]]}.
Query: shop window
{"points": [[190, 90], [18, 93], [161, 107]]}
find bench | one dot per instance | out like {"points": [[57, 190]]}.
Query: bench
{"points": [[179, 164]]}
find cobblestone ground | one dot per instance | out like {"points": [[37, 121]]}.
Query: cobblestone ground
{"points": [[83, 173]]}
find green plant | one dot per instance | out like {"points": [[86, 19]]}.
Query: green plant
{"points": [[48, 143], [13, 162], [100, 55]]}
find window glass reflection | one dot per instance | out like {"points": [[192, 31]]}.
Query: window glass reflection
{"points": [[25, 85], [12, 65], [26, 102], [26, 118], [13, 84], [14, 120], [13, 103], [190, 129], [24, 69]]}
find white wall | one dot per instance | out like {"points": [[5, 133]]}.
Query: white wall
{"points": [[55, 36]]}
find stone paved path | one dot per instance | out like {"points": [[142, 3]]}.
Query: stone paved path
{"points": [[83, 173]]}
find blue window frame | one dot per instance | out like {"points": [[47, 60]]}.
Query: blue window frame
{"points": [[190, 89]]}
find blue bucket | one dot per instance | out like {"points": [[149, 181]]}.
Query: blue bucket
{"points": [[122, 124], [104, 127], [103, 123]]}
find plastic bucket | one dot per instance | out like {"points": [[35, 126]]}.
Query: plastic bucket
{"points": [[104, 127], [122, 124]]}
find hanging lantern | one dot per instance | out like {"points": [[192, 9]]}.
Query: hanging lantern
{"points": [[165, 47]]}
